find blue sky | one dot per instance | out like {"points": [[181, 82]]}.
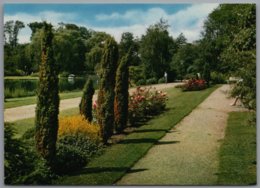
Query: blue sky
{"points": [[114, 18]]}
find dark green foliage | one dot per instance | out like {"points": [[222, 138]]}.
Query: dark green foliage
{"points": [[161, 80], [151, 81], [85, 106], [74, 152], [141, 82], [206, 73], [18, 161], [106, 92], [121, 94], [47, 109]]}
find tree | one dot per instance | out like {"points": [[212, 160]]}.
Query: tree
{"points": [[106, 89], [85, 106], [47, 108], [121, 94], [11, 30], [35, 26], [155, 50]]}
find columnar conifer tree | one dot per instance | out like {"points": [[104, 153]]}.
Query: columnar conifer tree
{"points": [[85, 106], [106, 89], [47, 109], [121, 94]]}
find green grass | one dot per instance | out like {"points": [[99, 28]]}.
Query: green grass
{"points": [[119, 158], [238, 152], [21, 101], [21, 77]]}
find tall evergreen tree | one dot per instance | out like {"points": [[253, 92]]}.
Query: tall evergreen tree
{"points": [[85, 106], [106, 89], [47, 109], [121, 94]]}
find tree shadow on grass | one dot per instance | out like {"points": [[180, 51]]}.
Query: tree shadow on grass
{"points": [[93, 170], [154, 130], [147, 140]]}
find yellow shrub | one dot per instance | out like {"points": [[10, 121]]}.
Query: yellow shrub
{"points": [[69, 125]]}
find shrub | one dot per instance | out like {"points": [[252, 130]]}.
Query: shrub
{"points": [[72, 125], [78, 141], [194, 85], [85, 106], [161, 80], [140, 82], [151, 81], [218, 78], [145, 102], [17, 159]]}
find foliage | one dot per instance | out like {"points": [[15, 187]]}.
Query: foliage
{"points": [[194, 85], [155, 50], [218, 78], [85, 106], [106, 93], [74, 152], [136, 74], [47, 108], [17, 162], [145, 102], [121, 94], [151, 81], [71, 125], [161, 80], [229, 43], [141, 82]]}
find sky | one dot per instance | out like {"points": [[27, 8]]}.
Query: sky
{"points": [[114, 18]]}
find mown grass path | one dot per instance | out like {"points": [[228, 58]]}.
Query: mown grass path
{"points": [[119, 158], [188, 155]]}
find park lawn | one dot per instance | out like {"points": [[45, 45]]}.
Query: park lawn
{"points": [[22, 101], [119, 158], [21, 77], [238, 152]]}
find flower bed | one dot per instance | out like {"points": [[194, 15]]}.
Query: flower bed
{"points": [[194, 85], [145, 102]]}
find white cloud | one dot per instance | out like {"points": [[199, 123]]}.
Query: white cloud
{"points": [[188, 21]]}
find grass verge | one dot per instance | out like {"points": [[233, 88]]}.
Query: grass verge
{"points": [[238, 152], [21, 101], [119, 158]]}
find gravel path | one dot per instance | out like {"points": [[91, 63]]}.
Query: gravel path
{"points": [[188, 154], [28, 111]]}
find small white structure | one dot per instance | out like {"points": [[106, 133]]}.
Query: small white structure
{"points": [[71, 78]]}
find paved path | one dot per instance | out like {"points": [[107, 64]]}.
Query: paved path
{"points": [[28, 111], [188, 154]]}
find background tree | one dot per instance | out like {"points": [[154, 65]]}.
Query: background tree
{"points": [[106, 92], [85, 106], [121, 94], [155, 50], [47, 108]]}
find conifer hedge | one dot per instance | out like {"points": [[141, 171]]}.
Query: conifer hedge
{"points": [[121, 95], [85, 106], [106, 92], [47, 108]]}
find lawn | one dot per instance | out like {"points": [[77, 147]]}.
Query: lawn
{"points": [[238, 152], [119, 158], [21, 101]]}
